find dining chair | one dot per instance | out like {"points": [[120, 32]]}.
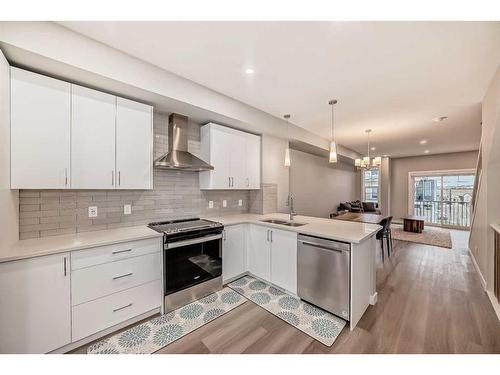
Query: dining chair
{"points": [[385, 233]]}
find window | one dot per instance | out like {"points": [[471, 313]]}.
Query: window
{"points": [[442, 197], [370, 183]]}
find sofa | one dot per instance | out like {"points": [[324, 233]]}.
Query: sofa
{"points": [[358, 206]]}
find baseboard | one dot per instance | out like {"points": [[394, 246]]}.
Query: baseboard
{"points": [[107, 331], [373, 299], [494, 303], [481, 277]]}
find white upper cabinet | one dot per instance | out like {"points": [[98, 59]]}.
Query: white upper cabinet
{"points": [[134, 144], [93, 118], [69, 136], [235, 156], [35, 305], [252, 149], [40, 131]]}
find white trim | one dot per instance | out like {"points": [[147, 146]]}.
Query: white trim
{"points": [[494, 303], [478, 270]]}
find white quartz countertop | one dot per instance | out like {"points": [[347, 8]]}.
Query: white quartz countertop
{"points": [[340, 230], [70, 242]]}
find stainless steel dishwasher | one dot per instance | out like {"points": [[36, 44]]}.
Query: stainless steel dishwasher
{"points": [[323, 273]]}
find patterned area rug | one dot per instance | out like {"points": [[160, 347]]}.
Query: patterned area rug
{"points": [[430, 236], [148, 337], [317, 323]]}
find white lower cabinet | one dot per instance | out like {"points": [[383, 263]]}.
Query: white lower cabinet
{"points": [[284, 260], [259, 252], [234, 253], [272, 256], [105, 312], [35, 307]]}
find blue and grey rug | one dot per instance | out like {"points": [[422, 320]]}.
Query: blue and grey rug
{"points": [[156, 333], [317, 323]]}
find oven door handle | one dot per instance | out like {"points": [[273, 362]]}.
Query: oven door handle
{"points": [[193, 241]]}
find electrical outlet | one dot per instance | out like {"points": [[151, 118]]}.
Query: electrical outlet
{"points": [[210, 204], [224, 203], [240, 202], [127, 209], [93, 211]]}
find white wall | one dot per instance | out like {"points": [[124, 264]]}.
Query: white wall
{"points": [[401, 166], [9, 199], [487, 209], [318, 186]]}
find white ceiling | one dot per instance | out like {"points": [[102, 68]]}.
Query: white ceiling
{"points": [[392, 77]]}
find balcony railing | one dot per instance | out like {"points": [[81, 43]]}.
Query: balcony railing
{"points": [[444, 212]]}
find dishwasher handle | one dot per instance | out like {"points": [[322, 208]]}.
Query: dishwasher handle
{"points": [[317, 245]]}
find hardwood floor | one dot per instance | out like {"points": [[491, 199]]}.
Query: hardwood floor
{"points": [[430, 300]]}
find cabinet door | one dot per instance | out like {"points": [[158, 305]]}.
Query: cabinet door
{"points": [[35, 308], [134, 140], [40, 131], [259, 252], [92, 139], [233, 252], [252, 162], [237, 160], [284, 260], [220, 144]]}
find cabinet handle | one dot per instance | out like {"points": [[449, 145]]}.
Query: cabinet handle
{"points": [[224, 235], [123, 307], [271, 235], [122, 276], [120, 251], [112, 178], [248, 182], [232, 181], [65, 266], [119, 178], [267, 235], [229, 181], [65, 176]]}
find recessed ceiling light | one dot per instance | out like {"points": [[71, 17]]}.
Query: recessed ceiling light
{"points": [[439, 119], [249, 71], [426, 151], [385, 156], [423, 142], [373, 148]]}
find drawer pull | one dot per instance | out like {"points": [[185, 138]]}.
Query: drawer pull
{"points": [[121, 251], [123, 307], [125, 275]]}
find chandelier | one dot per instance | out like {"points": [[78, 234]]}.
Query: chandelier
{"points": [[367, 162]]}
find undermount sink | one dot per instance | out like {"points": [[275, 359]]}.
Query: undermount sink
{"points": [[274, 221], [283, 222], [293, 224]]}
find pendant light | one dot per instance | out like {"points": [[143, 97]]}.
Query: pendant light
{"points": [[367, 162], [333, 144], [287, 151]]}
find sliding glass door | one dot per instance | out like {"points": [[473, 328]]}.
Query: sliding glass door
{"points": [[443, 198]]}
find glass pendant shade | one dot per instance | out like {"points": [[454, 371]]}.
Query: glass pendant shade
{"points": [[357, 163], [366, 160], [333, 152], [377, 161], [287, 157]]}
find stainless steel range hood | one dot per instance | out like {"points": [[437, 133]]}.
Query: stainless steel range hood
{"points": [[178, 156]]}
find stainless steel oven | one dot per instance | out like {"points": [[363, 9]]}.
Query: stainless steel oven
{"points": [[192, 256]]}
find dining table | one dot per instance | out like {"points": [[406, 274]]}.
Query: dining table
{"points": [[361, 217]]}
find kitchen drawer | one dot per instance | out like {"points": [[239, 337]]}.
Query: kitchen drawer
{"points": [[111, 253], [104, 279], [105, 312]]}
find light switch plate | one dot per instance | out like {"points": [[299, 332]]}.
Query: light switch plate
{"points": [[240, 202], [210, 204], [224, 203], [127, 209], [93, 211]]}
